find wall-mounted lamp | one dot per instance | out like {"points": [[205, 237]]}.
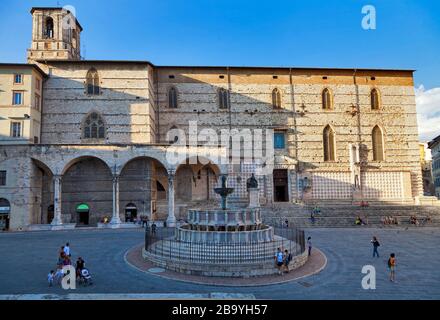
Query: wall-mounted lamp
{"points": [[353, 111], [251, 112], [303, 110]]}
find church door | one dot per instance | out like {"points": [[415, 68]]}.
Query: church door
{"points": [[280, 185]]}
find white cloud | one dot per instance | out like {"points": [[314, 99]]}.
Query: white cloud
{"points": [[428, 112]]}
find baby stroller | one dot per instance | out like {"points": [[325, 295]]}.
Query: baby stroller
{"points": [[85, 278]]}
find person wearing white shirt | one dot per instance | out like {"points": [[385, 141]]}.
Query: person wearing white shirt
{"points": [[67, 249]]}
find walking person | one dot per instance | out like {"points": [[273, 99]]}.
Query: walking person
{"points": [[50, 278], [392, 267], [80, 264], [312, 217], [309, 245], [67, 249], [287, 259], [144, 221], [279, 261], [376, 244]]}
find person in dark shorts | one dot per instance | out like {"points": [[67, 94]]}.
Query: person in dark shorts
{"points": [[279, 260], [287, 259], [80, 264]]}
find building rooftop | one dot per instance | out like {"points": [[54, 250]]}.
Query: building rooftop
{"points": [[225, 67], [434, 142], [24, 65]]}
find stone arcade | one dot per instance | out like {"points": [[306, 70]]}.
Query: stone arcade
{"points": [[85, 140]]}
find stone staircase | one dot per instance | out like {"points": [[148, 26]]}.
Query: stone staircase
{"points": [[333, 215]]}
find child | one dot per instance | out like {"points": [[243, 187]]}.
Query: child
{"points": [[392, 266], [59, 274], [50, 278]]}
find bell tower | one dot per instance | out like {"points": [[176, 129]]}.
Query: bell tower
{"points": [[55, 35]]}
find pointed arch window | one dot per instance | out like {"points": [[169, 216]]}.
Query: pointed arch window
{"points": [[378, 145], [276, 98], [326, 99], [375, 103], [172, 98], [92, 82], [94, 126], [223, 99], [329, 144]]}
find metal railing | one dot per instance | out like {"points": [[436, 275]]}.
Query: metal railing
{"points": [[162, 243]]}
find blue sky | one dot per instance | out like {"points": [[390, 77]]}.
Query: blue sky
{"points": [[293, 33]]}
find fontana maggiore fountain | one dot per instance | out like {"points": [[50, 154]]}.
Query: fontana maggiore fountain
{"points": [[228, 242]]}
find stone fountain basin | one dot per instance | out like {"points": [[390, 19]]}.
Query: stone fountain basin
{"points": [[224, 218], [263, 234]]}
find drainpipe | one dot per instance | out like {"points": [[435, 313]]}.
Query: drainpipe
{"points": [[43, 81], [358, 113], [229, 108], [156, 99], [293, 113]]}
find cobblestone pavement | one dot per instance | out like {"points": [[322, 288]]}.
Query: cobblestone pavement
{"points": [[26, 258]]}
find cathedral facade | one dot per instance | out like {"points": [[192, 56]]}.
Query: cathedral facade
{"points": [[83, 141]]}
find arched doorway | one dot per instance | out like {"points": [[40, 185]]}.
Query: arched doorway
{"points": [[5, 211], [50, 213], [86, 180], [138, 188], [83, 211], [130, 212]]}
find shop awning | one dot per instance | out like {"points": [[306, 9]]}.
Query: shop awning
{"points": [[82, 208], [5, 210]]}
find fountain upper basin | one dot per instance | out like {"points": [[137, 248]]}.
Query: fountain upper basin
{"points": [[218, 218]]}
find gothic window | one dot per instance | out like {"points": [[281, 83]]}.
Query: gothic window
{"points": [[48, 30], [276, 98], [172, 98], [326, 99], [94, 127], [329, 144], [92, 82], [378, 150], [374, 99], [223, 99]]}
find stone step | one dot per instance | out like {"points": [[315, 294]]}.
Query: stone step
{"points": [[347, 222]]}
